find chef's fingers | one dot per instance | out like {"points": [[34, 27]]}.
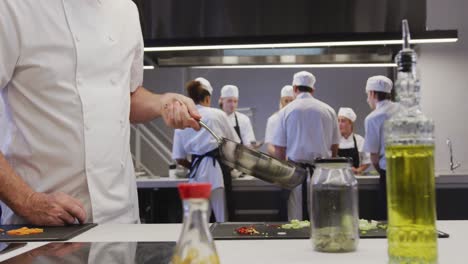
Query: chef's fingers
{"points": [[189, 121], [189, 118], [67, 218], [168, 114], [186, 119], [192, 109], [179, 115], [72, 207], [53, 221]]}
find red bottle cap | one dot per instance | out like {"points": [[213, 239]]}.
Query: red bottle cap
{"points": [[194, 190]]}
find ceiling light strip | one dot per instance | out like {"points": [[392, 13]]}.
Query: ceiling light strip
{"points": [[279, 66], [301, 45]]}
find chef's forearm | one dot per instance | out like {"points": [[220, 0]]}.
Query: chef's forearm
{"points": [[144, 106], [362, 168], [375, 161], [14, 191]]}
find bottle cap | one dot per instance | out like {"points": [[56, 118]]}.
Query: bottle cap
{"points": [[194, 190]]}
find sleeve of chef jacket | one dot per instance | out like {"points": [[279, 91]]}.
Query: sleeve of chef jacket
{"points": [[269, 130], [280, 133], [136, 71], [9, 43], [372, 139], [364, 156], [178, 150]]}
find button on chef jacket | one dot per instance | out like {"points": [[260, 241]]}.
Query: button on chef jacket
{"points": [[245, 126], [188, 142], [67, 69], [374, 141], [308, 127]]}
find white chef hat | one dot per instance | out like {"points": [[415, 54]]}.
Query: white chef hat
{"points": [[229, 91], [287, 91], [348, 113], [205, 84], [379, 83], [304, 78]]}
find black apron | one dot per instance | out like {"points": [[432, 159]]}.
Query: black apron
{"points": [[310, 171], [214, 155], [237, 128], [382, 200], [352, 153]]}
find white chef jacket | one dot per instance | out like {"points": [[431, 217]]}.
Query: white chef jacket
{"points": [[348, 143], [67, 69], [308, 127], [188, 142], [245, 126], [3, 124], [272, 124], [374, 125]]}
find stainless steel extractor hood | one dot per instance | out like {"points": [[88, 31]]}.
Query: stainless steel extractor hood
{"points": [[224, 33]]}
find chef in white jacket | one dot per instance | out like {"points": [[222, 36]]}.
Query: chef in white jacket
{"points": [[67, 158], [241, 123], [203, 148], [308, 130], [351, 144], [287, 96], [378, 89]]}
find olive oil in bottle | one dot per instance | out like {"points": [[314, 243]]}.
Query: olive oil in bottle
{"points": [[409, 138], [411, 204]]}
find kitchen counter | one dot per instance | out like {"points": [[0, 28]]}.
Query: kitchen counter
{"points": [[370, 251], [447, 181]]}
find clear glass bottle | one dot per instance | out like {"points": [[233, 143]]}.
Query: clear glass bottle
{"points": [[195, 245], [334, 206], [409, 137]]}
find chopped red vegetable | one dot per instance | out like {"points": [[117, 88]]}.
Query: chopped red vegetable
{"points": [[247, 230]]}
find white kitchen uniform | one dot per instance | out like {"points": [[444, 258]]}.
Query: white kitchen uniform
{"points": [[272, 124], [67, 69], [245, 126], [348, 143], [308, 128], [188, 142], [374, 125], [3, 125]]}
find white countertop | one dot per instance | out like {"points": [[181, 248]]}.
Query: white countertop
{"points": [[372, 251]]}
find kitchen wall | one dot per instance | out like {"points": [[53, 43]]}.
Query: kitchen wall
{"points": [[444, 79], [442, 67]]}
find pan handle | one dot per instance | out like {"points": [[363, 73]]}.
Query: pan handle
{"points": [[218, 139]]}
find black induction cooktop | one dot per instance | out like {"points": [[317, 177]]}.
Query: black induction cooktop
{"points": [[97, 253]]}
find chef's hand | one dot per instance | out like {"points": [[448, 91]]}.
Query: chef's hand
{"points": [[179, 111], [55, 209], [356, 171]]}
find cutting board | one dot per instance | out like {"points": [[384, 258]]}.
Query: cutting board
{"points": [[227, 231], [55, 233]]}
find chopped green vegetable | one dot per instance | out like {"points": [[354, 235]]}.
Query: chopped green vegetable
{"points": [[334, 239], [365, 225], [296, 224]]}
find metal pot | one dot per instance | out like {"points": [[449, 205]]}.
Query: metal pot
{"points": [[260, 165]]}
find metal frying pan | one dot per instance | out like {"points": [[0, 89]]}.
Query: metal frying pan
{"points": [[258, 164]]}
